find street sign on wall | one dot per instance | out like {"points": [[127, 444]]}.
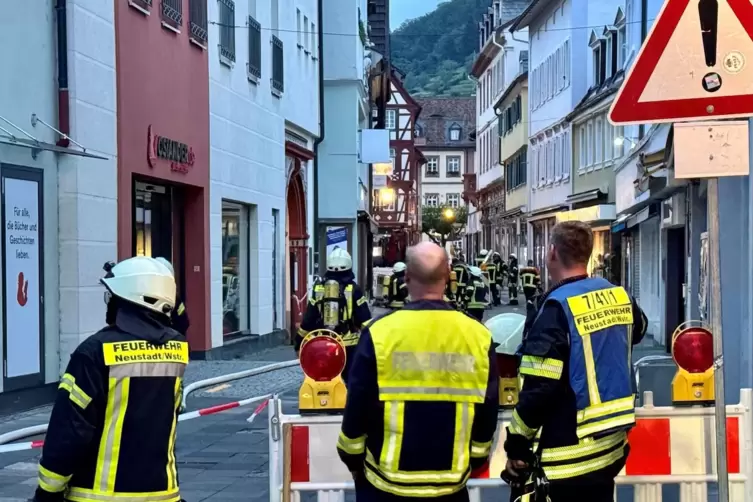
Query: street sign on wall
{"points": [[696, 63]]}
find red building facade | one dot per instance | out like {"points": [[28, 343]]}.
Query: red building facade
{"points": [[163, 145]]}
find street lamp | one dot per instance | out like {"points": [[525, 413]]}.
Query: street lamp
{"points": [[620, 140], [448, 214], [386, 196]]}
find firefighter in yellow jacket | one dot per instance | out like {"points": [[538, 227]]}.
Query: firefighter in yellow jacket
{"points": [[337, 303], [397, 292], [402, 440], [111, 435]]}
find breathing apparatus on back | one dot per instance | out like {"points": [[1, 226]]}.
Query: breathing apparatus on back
{"points": [[332, 298]]}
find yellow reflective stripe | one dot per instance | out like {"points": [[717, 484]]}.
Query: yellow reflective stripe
{"points": [[586, 447], [87, 495], [609, 408], [350, 339], [593, 387], [545, 367], [464, 414], [585, 467], [361, 301], [480, 450], [172, 469], [109, 445], [350, 446], [592, 428], [413, 477], [518, 426], [394, 415], [413, 491], [52, 482], [366, 323], [302, 332], [75, 393], [426, 393], [181, 309]]}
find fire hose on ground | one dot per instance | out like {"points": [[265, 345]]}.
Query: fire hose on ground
{"points": [[37, 430]]}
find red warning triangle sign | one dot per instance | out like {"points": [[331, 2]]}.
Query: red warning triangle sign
{"points": [[696, 63]]}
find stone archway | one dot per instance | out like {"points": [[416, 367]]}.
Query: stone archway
{"points": [[296, 245]]}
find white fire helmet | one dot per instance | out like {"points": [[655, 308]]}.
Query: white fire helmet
{"points": [[484, 252], [167, 264], [512, 255], [339, 260], [398, 267], [144, 281]]}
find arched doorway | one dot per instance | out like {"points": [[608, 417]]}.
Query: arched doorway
{"points": [[296, 246]]}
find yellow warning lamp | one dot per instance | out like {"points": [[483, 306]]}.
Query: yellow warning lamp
{"points": [[507, 335], [322, 357], [453, 282], [693, 352]]}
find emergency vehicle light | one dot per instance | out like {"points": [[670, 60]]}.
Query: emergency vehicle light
{"points": [[693, 349], [322, 358]]}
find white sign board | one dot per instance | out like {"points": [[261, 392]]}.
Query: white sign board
{"points": [[22, 277], [337, 237], [711, 149]]}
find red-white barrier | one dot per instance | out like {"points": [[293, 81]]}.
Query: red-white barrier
{"points": [[668, 445], [30, 445]]}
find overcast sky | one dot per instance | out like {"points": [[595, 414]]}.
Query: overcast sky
{"points": [[402, 10]]}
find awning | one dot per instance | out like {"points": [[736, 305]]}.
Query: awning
{"points": [[590, 214], [23, 139], [586, 196], [546, 212]]}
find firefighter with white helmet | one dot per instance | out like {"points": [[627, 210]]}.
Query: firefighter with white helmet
{"points": [[481, 258], [397, 290], [512, 279], [130, 372], [178, 316], [476, 293], [337, 303]]}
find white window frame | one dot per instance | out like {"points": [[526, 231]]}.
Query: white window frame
{"points": [[431, 200], [453, 200], [567, 62], [453, 164], [432, 165], [608, 141], [557, 158], [390, 120], [609, 44], [619, 150], [589, 145], [582, 149], [454, 133], [568, 155], [596, 58], [598, 142]]}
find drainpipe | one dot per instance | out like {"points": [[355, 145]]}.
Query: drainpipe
{"points": [[318, 140], [64, 122]]}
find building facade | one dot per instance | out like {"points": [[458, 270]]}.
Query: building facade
{"points": [[397, 208], [261, 141], [163, 197], [494, 68], [557, 82], [344, 181], [59, 191], [512, 108], [442, 135]]}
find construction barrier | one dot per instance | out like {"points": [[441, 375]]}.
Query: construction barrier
{"points": [[668, 445], [30, 445]]}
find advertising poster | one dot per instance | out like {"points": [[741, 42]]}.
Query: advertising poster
{"points": [[22, 277], [337, 237]]}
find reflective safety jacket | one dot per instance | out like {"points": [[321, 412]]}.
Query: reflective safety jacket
{"points": [[529, 277], [179, 318], [576, 403], [111, 436], [398, 291], [461, 272], [354, 309], [422, 401], [476, 292], [491, 273]]}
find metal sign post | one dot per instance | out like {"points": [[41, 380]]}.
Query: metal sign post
{"points": [[720, 409]]}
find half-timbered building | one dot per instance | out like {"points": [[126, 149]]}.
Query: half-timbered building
{"points": [[397, 208]]}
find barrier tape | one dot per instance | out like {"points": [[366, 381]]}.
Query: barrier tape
{"points": [[31, 445]]}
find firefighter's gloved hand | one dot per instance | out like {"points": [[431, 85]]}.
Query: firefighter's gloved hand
{"points": [[516, 473]]}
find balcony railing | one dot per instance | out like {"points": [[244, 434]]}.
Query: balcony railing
{"points": [[198, 23], [172, 13]]}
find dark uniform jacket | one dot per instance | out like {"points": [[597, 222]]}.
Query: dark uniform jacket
{"points": [[398, 291], [353, 316], [112, 429], [179, 317], [547, 404], [444, 426]]}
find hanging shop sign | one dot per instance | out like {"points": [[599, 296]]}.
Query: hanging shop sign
{"points": [[180, 155]]}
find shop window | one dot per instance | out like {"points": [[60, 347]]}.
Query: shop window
{"points": [[227, 32], [235, 270]]}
